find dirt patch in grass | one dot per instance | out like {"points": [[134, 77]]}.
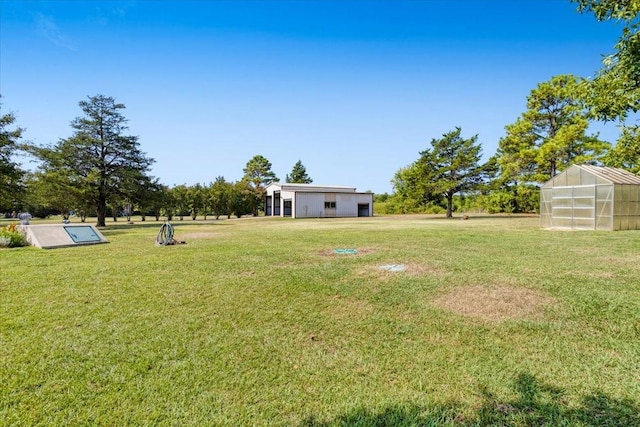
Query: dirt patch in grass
{"points": [[495, 303]]}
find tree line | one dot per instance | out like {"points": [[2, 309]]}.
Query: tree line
{"points": [[100, 170]]}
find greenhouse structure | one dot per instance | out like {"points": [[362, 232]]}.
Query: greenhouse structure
{"points": [[586, 197]]}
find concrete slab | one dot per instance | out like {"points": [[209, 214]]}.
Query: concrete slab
{"points": [[49, 236]]}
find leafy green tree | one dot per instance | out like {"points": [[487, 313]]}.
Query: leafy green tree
{"points": [[134, 186], [169, 203], [99, 159], [512, 199], [242, 198], [615, 90], [152, 200], [626, 153], [195, 200], [180, 198], [206, 200], [610, 9], [50, 190], [409, 194], [450, 166], [10, 173], [258, 174], [549, 136], [298, 175], [219, 194], [33, 202], [381, 198], [141, 194]]}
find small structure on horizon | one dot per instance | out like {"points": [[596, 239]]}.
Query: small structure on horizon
{"points": [[316, 201], [586, 197]]}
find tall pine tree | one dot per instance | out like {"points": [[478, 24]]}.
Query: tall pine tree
{"points": [[298, 175], [99, 160], [450, 166], [549, 136]]}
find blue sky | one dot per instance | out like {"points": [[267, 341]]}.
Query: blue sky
{"points": [[353, 89]]}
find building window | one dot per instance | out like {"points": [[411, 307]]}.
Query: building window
{"points": [[329, 205]]}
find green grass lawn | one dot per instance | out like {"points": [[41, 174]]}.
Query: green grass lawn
{"points": [[258, 322]]}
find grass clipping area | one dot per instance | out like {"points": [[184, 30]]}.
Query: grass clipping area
{"points": [[258, 321]]}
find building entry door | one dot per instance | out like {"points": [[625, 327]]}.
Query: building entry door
{"points": [[363, 209]]}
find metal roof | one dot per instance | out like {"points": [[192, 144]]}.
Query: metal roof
{"points": [[613, 175], [313, 188]]}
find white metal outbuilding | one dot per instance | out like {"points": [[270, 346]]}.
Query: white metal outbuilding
{"points": [[586, 197], [316, 201]]}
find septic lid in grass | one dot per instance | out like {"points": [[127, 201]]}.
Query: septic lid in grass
{"points": [[345, 251], [394, 267]]}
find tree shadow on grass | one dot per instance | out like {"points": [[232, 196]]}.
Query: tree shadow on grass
{"points": [[536, 404]]}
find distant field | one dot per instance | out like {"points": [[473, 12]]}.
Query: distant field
{"points": [[258, 321]]}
